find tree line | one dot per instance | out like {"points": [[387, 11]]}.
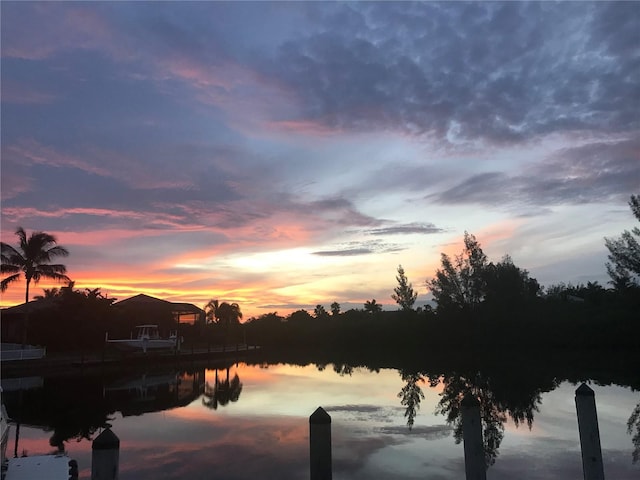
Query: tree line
{"points": [[481, 304], [477, 302]]}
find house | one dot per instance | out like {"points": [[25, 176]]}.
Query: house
{"points": [[185, 313], [12, 318]]}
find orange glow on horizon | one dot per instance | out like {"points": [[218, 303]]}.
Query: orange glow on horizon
{"points": [[282, 276]]}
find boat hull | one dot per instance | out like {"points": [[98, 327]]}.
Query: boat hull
{"points": [[143, 345]]}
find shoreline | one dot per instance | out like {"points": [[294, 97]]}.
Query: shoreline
{"points": [[76, 362]]}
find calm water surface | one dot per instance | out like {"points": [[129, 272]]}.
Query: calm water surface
{"points": [[177, 425]]}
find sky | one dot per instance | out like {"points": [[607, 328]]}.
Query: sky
{"points": [[287, 154]]}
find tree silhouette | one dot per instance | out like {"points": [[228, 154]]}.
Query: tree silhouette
{"points": [[335, 309], [459, 284], [624, 253], [320, 312], [227, 315], [371, 307], [210, 310], [47, 294], [507, 286], [404, 294], [32, 259]]}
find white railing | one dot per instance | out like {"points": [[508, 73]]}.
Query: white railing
{"points": [[21, 383], [14, 351]]}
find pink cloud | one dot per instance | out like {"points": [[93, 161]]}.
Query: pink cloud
{"points": [[121, 167], [13, 184], [303, 127], [30, 152], [21, 94], [166, 220], [71, 25]]}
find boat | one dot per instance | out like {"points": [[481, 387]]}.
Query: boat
{"points": [[55, 466], [146, 337]]}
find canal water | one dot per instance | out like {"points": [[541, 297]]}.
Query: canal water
{"points": [[252, 421]]}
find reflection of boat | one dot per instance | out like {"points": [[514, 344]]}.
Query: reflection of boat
{"points": [[154, 391], [145, 386], [147, 337]]}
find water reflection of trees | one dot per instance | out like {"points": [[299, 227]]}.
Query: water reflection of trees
{"points": [[500, 399], [411, 395], [222, 391], [633, 428]]}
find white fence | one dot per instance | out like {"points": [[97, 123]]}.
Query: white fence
{"points": [[14, 351]]}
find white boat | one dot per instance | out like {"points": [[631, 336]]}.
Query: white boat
{"points": [[147, 337], [41, 467]]}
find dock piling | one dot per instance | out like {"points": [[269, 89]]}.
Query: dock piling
{"points": [[592, 466], [474, 463], [105, 456], [320, 445]]}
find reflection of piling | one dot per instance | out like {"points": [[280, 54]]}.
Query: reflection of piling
{"points": [[320, 445], [73, 470], [474, 465], [105, 456], [589, 433]]}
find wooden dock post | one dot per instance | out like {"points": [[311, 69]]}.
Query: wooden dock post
{"points": [[592, 466], [320, 445], [105, 456], [474, 463]]}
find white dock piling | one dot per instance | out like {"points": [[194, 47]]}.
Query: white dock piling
{"points": [[105, 456], [474, 465], [589, 433], [320, 445]]}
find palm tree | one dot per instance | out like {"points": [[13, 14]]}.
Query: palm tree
{"points": [[370, 306], [48, 293], [32, 259], [211, 310], [228, 315]]}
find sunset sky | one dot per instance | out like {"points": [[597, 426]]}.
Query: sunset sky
{"points": [[283, 155]]}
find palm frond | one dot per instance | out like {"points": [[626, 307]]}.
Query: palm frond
{"points": [[10, 255], [55, 269], [9, 268], [6, 281], [32, 257], [58, 251]]}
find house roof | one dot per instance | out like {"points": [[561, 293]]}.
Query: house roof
{"points": [[145, 300], [135, 301], [34, 305], [141, 299]]}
